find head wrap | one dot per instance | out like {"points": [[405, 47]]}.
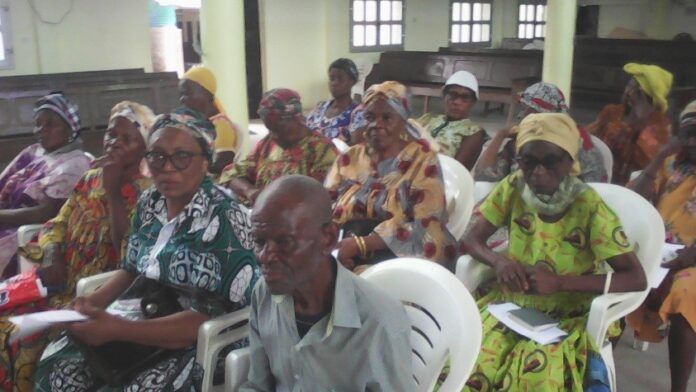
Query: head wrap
{"points": [[138, 114], [655, 81], [544, 98], [205, 78], [556, 128], [281, 104], [348, 66], [205, 136], [688, 116], [62, 106], [394, 93]]}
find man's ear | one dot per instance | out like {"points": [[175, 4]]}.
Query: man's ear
{"points": [[329, 237]]}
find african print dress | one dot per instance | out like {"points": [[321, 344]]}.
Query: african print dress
{"points": [[83, 229], [35, 176], [312, 156], [406, 193], [207, 247], [449, 134], [331, 127], [588, 233]]}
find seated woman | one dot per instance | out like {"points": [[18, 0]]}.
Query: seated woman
{"points": [[457, 135], [560, 229], [389, 191], [189, 233], [197, 92], [636, 128], [289, 148], [85, 238], [37, 182], [496, 163], [332, 118], [669, 182]]}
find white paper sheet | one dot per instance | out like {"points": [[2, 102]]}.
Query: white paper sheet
{"points": [[29, 324], [669, 252], [547, 336]]}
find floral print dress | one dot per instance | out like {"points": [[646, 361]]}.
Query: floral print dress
{"points": [[331, 127], [206, 247]]}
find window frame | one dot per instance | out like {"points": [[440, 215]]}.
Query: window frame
{"points": [[377, 23], [6, 32], [535, 22], [470, 44]]}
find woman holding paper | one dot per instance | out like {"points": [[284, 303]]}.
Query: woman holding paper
{"points": [[670, 183], [559, 230]]}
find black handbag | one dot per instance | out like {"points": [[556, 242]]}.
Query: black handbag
{"points": [[361, 228]]}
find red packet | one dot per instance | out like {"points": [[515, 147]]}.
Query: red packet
{"points": [[21, 289]]}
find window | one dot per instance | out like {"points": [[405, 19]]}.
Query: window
{"points": [[470, 22], [376, 25], [531, 19], [6, 53]]}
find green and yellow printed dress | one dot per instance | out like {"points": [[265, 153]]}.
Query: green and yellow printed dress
{"points": [[207, 247], [588, 233]]}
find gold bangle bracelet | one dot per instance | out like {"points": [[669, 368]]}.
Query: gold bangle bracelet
{"points": [[362, 246]]}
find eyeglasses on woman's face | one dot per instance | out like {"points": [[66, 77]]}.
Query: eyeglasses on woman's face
{"points": [[550, 162], [180, 160]]}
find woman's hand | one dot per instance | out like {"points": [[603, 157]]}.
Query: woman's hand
{"points": [[685, 258], [672, 147], [102, 327], [543, 280], [251, 194], [511, 274], [347, 251]]}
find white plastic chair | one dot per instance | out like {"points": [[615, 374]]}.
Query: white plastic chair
{"points": [[445, 318], [213, 335], [607, 157], [644, 226], [341, 146], [24, 235], [459, 193], [482, 189]]}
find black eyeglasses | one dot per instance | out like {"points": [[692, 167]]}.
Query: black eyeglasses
{"points": [[180, 159], [550, 162], [464, 96]]}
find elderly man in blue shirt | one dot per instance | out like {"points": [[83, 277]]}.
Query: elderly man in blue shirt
{"points": [[315, 326]]}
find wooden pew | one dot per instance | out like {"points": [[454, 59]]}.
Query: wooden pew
{"points": [[501, 74]]}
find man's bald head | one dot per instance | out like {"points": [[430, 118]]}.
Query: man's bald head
{"points": [[300, 194]]}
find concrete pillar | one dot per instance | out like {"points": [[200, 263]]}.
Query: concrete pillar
{"points": [[222, 44], [559, 45]]}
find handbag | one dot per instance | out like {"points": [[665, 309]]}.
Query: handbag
{"points": [[117, 363]]}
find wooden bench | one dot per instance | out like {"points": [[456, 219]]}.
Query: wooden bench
{"points": [[502, 74]]}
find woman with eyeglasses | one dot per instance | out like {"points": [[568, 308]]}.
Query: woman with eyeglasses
{"points": [[560, 231], [190, 233], [669, 182], [457, 135], [498, 158], [85, 237], [389, 193]]}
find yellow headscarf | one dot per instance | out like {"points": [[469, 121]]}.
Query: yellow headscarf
{"points": [[206, 79], [556, 128], [655, 81]]}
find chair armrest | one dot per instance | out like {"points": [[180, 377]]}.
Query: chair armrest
{"points": [[214, 335], [90, 284], [237, 366], [471, 272], [607, 308], [26, 232]]}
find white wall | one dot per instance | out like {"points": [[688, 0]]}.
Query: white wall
{"points": [[95, 35]]}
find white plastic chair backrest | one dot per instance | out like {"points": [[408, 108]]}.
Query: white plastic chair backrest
{"points": [[256, 133], [482, 189], [607, 157], [341, 146], [459, 193], [641, 222], [444, 317], [243, 143]]}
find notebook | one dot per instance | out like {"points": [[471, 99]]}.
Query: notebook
{"points": [[533, 319]]}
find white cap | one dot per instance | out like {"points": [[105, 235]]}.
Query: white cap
{"points": [[464, 79]]}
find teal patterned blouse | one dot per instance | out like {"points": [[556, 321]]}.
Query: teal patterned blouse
{"points": [[207, 246]]}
